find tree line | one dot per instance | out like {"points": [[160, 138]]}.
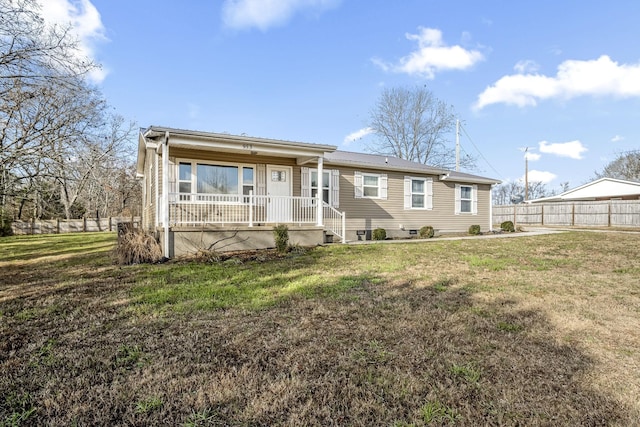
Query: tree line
{"points": [[63, 151]]}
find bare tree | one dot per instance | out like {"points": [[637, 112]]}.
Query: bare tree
{"points": [[413, 124], [36, 61], [625, 166], [60, 149], [111, 187], [512, 192]]}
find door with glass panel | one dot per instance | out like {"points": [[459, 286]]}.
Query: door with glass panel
{"points": [[279, 192]]}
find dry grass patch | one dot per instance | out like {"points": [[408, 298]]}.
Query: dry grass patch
{"points": [[527, 331]]}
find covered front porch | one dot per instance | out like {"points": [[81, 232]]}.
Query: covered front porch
{"points": [[210, 222], [201, 211], [220, 185]]}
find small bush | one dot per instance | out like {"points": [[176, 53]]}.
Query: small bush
{"points": [[507, 226], [137, 247], [281, 236], [474, 230], [427, 232], [379, 234]]}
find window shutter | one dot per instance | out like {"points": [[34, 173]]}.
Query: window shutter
{"points": [[407, 192], [357, 185], [305, 186], [429, 196], [474, 198], [383, 186], [335, 188], [457, 209]]}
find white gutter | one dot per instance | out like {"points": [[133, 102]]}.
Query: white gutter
{"points": [[165, 192]]}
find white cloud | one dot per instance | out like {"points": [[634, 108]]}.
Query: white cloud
{"points": [[353, 136], [532, 157], [541, 176], [86, 25], [526, 66], [264, 14], [432, 56], [572, 149], [617, 138], [600, 77]]}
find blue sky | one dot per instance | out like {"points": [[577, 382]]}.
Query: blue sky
{"points": [[560, 77]]}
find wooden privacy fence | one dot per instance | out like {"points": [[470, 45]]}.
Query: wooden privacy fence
{"points": [[57, 226], [607, 213]]}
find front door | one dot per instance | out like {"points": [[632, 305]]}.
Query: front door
{"points": [[279, 192]]}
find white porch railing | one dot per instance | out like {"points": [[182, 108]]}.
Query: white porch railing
{"points": [[222, 209], [193, 209], [334, 221]]}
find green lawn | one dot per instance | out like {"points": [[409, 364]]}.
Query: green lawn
{"points": [[538, 330]]}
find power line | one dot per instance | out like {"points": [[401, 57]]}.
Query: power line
{"points": [[479, 152]]}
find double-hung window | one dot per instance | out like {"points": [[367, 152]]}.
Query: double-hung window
{"points": [[185, 179], [466, 199], [326, 185], [418, 193], [310, 185], [370, 185], [248, 181]]}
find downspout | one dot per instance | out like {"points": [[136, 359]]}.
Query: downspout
{"points": [[319, 208], [165, 193]]}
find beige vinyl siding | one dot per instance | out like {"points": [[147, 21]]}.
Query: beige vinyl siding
{"points": [[390, 214]]}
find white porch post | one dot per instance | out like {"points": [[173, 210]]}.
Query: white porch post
{"points": [[319, 209], [165, 193]]}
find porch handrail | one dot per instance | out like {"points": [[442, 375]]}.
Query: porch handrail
{"points": [[335, 221], [220, 209], [196, 209]]}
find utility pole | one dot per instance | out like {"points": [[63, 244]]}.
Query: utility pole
{"points": [[457, 145]]}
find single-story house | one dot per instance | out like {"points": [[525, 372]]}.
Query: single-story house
{"points": [[205, 190], [600, 189]]}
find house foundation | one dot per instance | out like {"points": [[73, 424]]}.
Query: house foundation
{"points": [[190, 240]]}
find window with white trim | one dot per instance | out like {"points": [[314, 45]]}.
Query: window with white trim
{"points": [[184, 178], [466, 199], [330, 185], [211, 178], [418, 193], [326, 185], [248, 180], [370, 185]]}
